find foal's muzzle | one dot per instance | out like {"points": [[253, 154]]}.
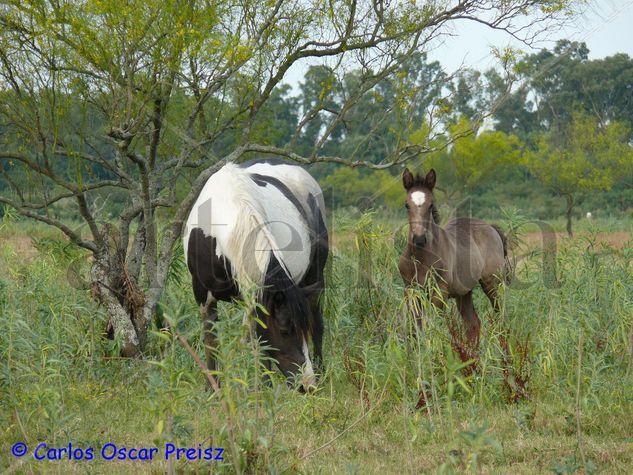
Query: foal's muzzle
{"points": [[419, 241]]}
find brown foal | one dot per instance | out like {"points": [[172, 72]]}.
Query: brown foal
{"points": [[464, 253]]}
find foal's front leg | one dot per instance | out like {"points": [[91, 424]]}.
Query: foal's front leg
{"points": [[415, 305], [472, 325]]}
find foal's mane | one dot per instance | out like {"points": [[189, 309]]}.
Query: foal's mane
{"points": [[435, 213]]}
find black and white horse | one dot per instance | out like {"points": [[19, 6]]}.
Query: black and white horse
{"points": [[262, 223]]}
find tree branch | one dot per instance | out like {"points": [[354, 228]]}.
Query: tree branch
{"points": [[72, 235]]}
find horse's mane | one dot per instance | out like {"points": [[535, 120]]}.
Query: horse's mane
{"points": [[278, 280], [264, 269], [244, 244]]}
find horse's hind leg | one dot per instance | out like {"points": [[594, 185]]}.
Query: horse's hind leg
{"points": [[209, 313], [472, 324]]}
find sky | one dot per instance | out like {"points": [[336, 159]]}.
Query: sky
{"points": [[606, 26]]}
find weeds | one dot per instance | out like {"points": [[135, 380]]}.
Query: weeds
{"points": [[393, 396]]}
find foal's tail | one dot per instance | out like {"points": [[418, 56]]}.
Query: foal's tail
{"points": [[507, 271]]}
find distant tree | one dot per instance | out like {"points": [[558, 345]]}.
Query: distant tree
{"points": [[320, 98], [606, 88], [354, 187], [468, 95], [473, 158], [376, 123], [585, 156], [552, 84], [514, 111], [278, 118], [382, 121]]}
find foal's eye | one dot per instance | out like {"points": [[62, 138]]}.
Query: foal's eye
{"points": [[406, 205]]}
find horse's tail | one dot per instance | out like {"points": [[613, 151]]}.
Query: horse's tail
{"points": [[507, 271]]}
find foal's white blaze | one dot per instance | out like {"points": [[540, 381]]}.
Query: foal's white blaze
{"points": [[418, 197], [308, 379]]}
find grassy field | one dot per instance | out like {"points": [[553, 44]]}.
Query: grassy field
{"points": [[572, 333]]}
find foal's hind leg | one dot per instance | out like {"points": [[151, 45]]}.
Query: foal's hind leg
{"points": [[516, 386], [490, 285]]}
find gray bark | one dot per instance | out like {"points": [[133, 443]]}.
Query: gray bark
{"points": [[120, 319]]}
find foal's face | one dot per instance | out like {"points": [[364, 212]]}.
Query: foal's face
{"points": [[419, 204]]}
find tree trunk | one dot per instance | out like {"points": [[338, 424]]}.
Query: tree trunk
{"points": [[121, 320], [115, 285], [570, 209], [116, 276]]}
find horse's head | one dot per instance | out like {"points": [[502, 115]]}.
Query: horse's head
{"points": [[287, 333], [420, 206]]}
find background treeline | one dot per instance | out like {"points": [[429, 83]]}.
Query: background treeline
{"points": [[561, 127], [564, 129]]}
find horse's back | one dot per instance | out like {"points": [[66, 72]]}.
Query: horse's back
{"points": [[306, 194], [476, 229], [254, 210], [296, 178], [479, 243]]}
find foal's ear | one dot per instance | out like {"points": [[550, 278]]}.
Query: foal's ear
{"points": [[407, 179], [429, 181]]}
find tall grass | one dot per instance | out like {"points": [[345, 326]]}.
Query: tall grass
{"points": [[393, 396]]}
